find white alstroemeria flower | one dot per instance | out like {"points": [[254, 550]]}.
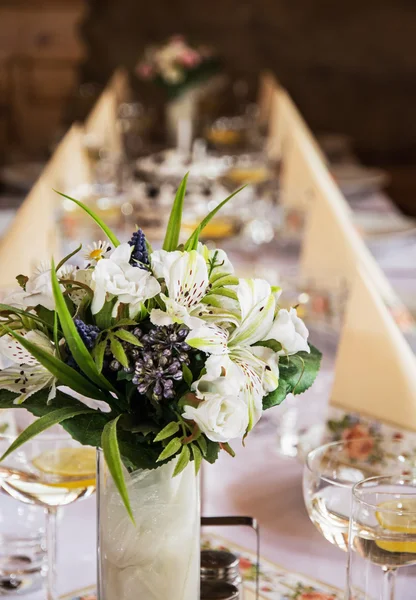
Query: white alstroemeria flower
{"points": [[290, 331], [129, 284], [96, 251], [217, 261], [232, 353], [221, 416], [39, 286], [186, 279], [21, 372]]}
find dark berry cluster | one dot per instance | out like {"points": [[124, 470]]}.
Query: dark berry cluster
{"points": [[157, 365], [88, 333], [157, 373], [140, 254]]}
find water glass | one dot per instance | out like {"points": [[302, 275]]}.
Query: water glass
{"points": [[382, 539], [23, 562]]}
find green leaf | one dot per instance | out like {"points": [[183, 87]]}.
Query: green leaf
{"points": [[127, 336], [183, 461], [213, 449], [60, 370], [53, 418], [301, 370], [202, 443], [171, 449], [104, 319], [277, 396], [55, 335], [195, 235], [111, 236], [174, 225], [77, 347], [167, 432], [272, 344], [67, 257], [187, 375], [119, 352], [197, 456], [25, 313], [112, 457], [99, 352]]}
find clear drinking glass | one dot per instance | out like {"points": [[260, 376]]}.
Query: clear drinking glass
{"points": [[22, 547], [332, 470], [49, 471], [382, 546]]}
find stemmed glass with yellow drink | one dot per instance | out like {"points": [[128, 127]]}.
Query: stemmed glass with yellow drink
{"points": [[50, 471]]}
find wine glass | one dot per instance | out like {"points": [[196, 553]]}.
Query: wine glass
{"points": [[333, 469], [51, 470], [382, 539]]}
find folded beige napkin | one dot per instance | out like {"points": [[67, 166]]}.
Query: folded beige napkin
{"points": [[33, 236], [375, 369], [101, 125]]}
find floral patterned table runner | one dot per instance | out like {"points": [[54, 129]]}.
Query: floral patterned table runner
{"points": [[276, 583]]}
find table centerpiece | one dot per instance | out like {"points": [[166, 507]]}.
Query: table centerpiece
{"points": [[168, 356]]}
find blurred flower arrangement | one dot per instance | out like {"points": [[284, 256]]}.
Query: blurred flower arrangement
{"points": [[183, 355], [177, 65]]}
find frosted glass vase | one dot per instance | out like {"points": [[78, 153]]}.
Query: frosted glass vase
{"points": [[159, 557]]}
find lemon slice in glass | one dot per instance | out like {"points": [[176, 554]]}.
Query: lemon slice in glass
{"points": [[398, 516], [74, 466]]}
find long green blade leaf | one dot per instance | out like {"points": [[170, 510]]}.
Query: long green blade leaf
{"points": [[60, 370], [67, 257], [80, 353], [174, 225], [43, 423], [112, 457], [23, 313], [111, 236], [193, 240]]}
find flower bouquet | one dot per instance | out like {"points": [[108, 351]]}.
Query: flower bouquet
{"points": [[182, 357], [176, 65], [186, 73]]}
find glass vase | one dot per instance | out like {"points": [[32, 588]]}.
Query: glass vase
{"points": [[159, 556]]}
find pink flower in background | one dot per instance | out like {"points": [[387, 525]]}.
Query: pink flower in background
{"points": [[189, 58], [315, 596], [245, 563], [145, 71], [360, 441]]}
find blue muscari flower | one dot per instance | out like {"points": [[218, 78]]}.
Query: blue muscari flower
{"points": [[88, 333], [140, 254]]}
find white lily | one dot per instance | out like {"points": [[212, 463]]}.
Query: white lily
{"points": [[117, 277], [21, 372], [186, 278], [231, 350]]}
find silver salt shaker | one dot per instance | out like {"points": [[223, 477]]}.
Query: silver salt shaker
{"points": [[221, 566]]}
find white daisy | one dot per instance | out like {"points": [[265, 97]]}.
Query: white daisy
{"points": [[96, 251]]}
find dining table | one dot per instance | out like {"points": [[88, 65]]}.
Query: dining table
{"points": [[259, 481]]}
